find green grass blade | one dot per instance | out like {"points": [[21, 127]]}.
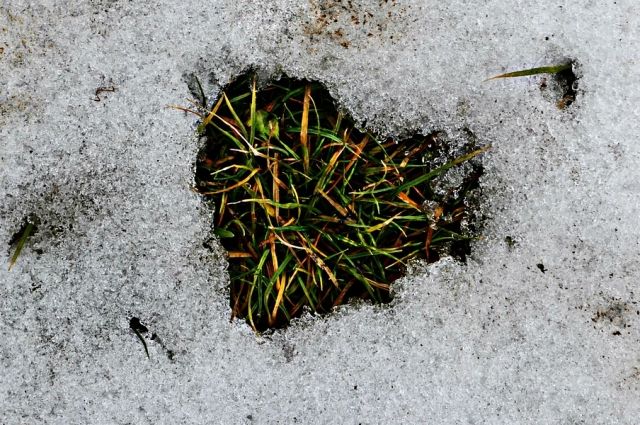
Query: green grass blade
{"points": [[554, 69], [235, 116], [23, 239]]}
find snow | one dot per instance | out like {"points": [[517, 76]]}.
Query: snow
{"points": [[496, 340]]}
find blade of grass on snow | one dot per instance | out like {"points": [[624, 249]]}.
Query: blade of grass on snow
{"points": [[553, 69], [23, 239]]}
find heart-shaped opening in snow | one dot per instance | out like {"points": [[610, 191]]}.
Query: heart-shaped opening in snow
{"points": [[314, 211]]}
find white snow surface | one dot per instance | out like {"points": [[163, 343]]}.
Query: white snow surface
{"points": [[495, 340]]}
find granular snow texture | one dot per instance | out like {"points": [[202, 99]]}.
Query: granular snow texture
{"points": [[542, 325]]}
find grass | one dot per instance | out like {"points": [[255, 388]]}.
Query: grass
{"points": [[552, 69], [313, 211], [563, 74], [19, 239]]}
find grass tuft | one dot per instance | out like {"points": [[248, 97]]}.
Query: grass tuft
{"points": [[314, 211]]}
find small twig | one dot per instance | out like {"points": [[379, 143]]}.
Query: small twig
{"points": [[138, 328], [101, 90]]}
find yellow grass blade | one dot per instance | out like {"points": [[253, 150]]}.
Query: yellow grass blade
{"points": [[238, 254], [383, 224], [304, 127], [213, 112], [343, 212], [233, 186]]}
